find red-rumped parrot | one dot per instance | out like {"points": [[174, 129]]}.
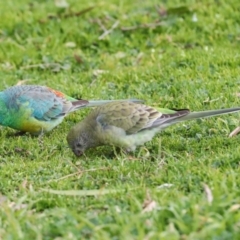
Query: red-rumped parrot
{"points": [[127, 125]]}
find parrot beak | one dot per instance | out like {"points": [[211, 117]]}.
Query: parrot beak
{"points": [[78, 153]]}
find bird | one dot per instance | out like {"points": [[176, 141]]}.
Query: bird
{"points": [[127, 125], [38, 109]]}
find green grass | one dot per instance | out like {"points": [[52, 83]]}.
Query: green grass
{"points": [[180, 64]]}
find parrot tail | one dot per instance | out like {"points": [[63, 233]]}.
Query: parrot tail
{"points": [[167, 120], [205, 114], [78, 104], [95, 103]]}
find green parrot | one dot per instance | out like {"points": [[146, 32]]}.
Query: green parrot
{"points": [[127, 125], [38, 109]]}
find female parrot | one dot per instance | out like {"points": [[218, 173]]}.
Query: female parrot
{"points": [[128, 125], [38, 109]]}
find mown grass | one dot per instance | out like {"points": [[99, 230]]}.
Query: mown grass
{"points": [[191, 60]]}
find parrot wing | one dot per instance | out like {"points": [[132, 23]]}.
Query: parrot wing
{"points": [[134, 117], [45, 103]]}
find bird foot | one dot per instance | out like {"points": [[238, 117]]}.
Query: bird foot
{"points": [[16, 134], [133, 158], [126, 153]]}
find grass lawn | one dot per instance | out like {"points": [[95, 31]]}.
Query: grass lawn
{"points": [[176, 54]]}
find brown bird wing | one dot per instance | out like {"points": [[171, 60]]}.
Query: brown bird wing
{"points": [[133, 117]]}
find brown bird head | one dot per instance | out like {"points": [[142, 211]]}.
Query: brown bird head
{"points": [[80, 138]]}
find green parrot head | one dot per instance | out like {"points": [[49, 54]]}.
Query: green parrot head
{"points": [[80, 138]]}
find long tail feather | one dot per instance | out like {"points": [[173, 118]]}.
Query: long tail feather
{"points": [[95, 103], [210, 113], [78, 104], [195, 115]]}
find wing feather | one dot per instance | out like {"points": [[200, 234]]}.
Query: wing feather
{"points": [[46, 105], [133, 117]]}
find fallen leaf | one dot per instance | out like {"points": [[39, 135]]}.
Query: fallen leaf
{"points": [[99, 72], [120, 55], [194, 18], [70, 45], [162, 11], [149, 205], [165, 185], [208, 193], [17, 206], [234, 207], [13, 205], [7, 65], [61, 3], [78, 58], [24, 184], [2, 199], [139, 58], [149, 223], [21, 82], [117, 209]]}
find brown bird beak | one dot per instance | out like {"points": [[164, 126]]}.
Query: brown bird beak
{"points": [[78, 153]]}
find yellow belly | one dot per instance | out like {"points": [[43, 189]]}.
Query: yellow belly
{"points": [[35, 126]]}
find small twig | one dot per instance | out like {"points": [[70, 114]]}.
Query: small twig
{"points": [[208, 193], [78, 169], [109, 31], [139, 58], [40, 140], [99, 22], [64, 177], [147, 25], [234, 132], [33, 66], [72, 14], [8, 40], [83, 193], [212, 100], [21, 82], [77, 14], [78, 172], [41, 65]]}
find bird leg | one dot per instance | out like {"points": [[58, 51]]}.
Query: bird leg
{"points": [[125, 152], [40, 140]]}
